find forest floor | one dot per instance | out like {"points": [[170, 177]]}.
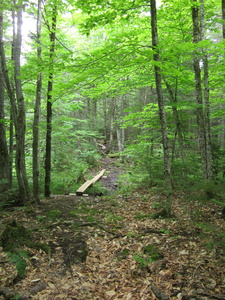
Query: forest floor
{"points": [[109, 247]]}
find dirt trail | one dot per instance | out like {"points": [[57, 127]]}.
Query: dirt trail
{"points": [[97, 248], [112, 173]]}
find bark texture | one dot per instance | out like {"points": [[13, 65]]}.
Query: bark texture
{"points": [[17, 104], [158, 81], [37, 113], [202, 110], [52, 37], [4, 155]]}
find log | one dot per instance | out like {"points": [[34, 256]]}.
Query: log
{"points": [[88, 183]]}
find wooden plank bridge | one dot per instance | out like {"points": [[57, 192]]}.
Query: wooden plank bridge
{"points": [[88, 183]]}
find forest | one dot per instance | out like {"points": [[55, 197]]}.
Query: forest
{"points": [[126, 98]]}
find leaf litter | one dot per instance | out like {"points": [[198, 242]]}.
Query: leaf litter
{"points": [[191, 265]]}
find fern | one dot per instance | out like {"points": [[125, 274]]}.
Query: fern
{"points": [[18, 259]]}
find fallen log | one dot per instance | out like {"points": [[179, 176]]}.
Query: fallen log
{"points": [[88, 183]]}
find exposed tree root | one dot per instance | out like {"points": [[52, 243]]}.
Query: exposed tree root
{"points": [[9, 293]]}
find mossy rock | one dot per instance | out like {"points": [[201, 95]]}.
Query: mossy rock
{"points": [[14, 236]]}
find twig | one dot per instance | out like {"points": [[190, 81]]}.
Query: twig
{"points": [[218, 297], [10, 293], [101, 227]]}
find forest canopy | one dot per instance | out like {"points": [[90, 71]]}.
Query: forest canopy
{"points": [[143, 79]]}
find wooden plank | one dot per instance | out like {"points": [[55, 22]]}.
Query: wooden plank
{"points": [[83, 188], [97, 177], [88, 183]]}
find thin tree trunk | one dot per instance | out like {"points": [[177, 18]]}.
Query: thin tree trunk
{"points": [[11, 138], [198, 87], [37, 113], [223, 18], [179, 133], [17, 105], [105, 117], [203, 123], [13, 113], [52, 37], [21, 121], [4, 155], [112, 118], [158, 81], [209, 161], [222, 138]]}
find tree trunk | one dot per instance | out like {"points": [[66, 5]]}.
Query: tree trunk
{"points": [[112, 119], [11, 138], [17, 105], [9, 90], [223, 18], [4, 155], [21, 120], [222, 138], [37, 112], [52, 37], [209, 161], [158, 81], [201, 113], [178, 132]]}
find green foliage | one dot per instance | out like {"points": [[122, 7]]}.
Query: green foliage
{"points": [[143, 261], [131, 234], [9, 198], [150, 254], [140, 216], [40, 218], [89, 214], [14, 235], [158, 205], [114, 219], [212, 236], [53, 214], [18, 258], [165, 231], [114, 61], [123, 254], [97, 190], [67, 178]]}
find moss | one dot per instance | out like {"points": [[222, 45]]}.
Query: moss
{"points": [[15, 236]]}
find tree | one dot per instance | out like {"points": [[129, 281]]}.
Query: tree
{"points": [[4, 155], [52, 38], [202, 115], [20, 121], [17, 103], [223, 18], [37, 110], [158, 81]]}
